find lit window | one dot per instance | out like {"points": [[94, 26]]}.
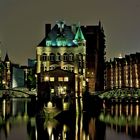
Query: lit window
{"points": [[51, 79], [52, 90], [60, 79], [66, 79]]}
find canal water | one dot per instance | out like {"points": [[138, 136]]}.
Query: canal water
{"points": [[20, 119]]}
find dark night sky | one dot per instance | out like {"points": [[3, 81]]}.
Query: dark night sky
{"points": [[22, 23]]}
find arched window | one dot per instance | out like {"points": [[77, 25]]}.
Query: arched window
{"points": [[65, 68], [52, 67], [58, 57], [80, 57], [44, 57], [71, 57], [80, 60], [52, 57], [65, 57]]}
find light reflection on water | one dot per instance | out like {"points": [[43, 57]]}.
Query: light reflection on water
{"points": [[19, 119], [122, 119]]}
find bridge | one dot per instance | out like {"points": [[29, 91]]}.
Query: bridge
{"points": [[113, 94], [17, 92], [120, 94]]}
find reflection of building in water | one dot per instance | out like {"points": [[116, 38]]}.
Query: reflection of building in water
{"points": [[79, 127], [123, 118], [13, 111], [13, 108]]}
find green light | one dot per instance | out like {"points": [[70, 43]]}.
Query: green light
{"points": [[48, 43], [79, 35]]}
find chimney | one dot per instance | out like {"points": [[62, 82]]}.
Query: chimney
{"points": [[47, 29]]}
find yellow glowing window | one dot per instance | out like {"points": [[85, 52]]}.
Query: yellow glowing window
{"points": [[51, 79], [52, 90], [66, 79], [60, 79]]}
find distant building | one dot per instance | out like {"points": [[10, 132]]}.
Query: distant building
{"points": [[18, 77], [12, 75], [123, 72], [7, 72], [78, 49], [95, 56], [31, 63], [2, 74]]}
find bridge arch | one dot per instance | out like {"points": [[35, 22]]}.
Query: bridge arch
{"points": [[23, 92]]}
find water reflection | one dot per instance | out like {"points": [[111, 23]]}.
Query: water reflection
{"points": [[123, 119], [22, 119]]}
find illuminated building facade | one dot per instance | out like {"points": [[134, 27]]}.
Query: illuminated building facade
{"points": [[123, 72], [78, 49], [60, 82], [63, 47]]}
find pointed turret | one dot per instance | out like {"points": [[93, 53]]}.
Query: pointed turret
{"points": [[99, 23], [6, 58], [7, 64], [79, 37]]}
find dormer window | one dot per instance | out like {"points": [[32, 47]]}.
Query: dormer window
{"points": [[48, 42], [61, 41]]}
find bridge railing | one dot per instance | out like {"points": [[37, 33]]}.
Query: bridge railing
{"points": [[17, 92], [120, 93]]}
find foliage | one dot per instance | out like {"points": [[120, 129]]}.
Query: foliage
{"points": [[31, 80]]}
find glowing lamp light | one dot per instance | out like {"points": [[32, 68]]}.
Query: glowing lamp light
{"points": [[120, 56], [3, 82], [49, 105], [46, 78]]}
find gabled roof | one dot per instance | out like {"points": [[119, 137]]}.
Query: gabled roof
{"points": [[60, 35]]}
